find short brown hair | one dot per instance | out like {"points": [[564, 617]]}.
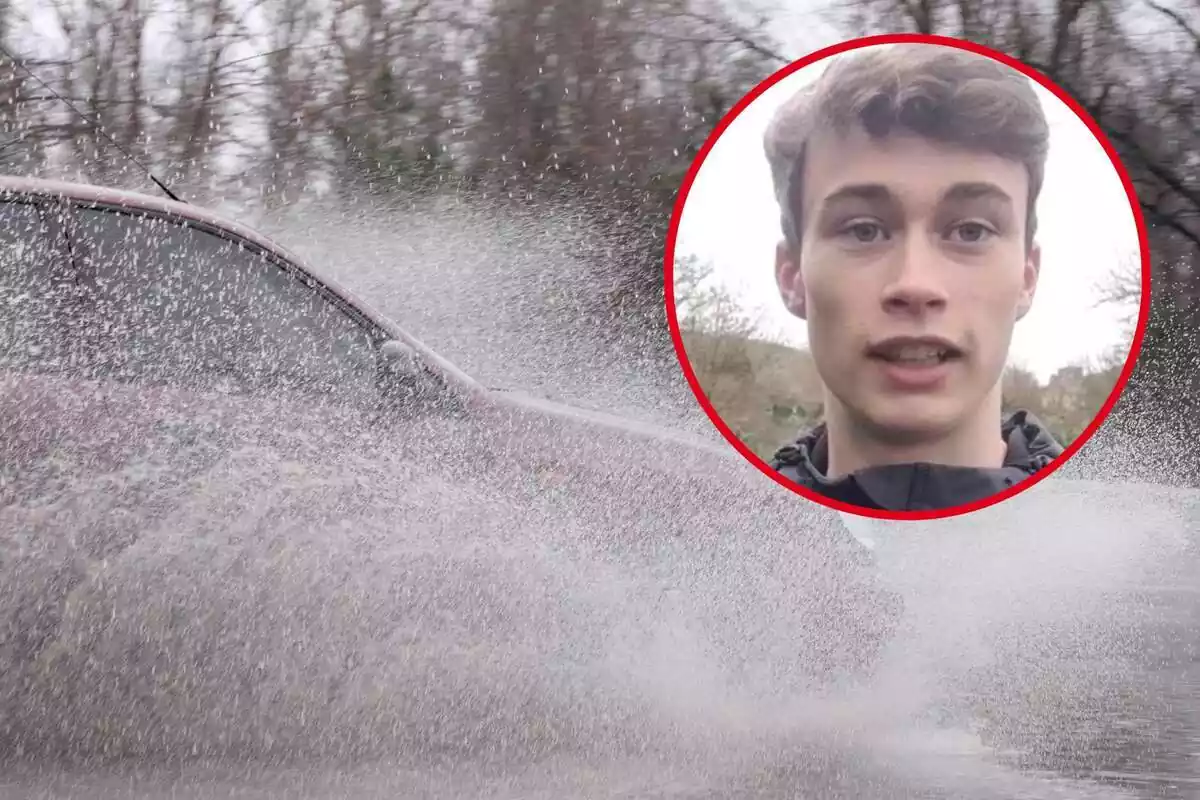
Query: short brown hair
{"points": [[939, 92]]}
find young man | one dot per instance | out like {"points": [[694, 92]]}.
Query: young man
{"points": [[907, 177]]}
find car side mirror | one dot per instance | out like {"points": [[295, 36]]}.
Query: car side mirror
{"points": [[407, 383], [396, 356]]}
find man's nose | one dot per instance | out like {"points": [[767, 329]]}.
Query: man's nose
{"points": [[915, 284]]}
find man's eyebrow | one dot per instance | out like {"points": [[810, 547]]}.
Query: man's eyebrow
{"points": [[874, 192], [957, 193], [978, 190]]}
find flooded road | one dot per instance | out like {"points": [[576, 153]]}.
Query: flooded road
{"points": [[926, 765], [638, 779]]}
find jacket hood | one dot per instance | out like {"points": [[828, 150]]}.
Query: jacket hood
{"points": [[921, 486]]}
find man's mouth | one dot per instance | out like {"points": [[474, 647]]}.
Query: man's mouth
{"points": [[915, 352]]}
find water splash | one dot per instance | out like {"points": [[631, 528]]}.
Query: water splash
{"points": [[404, 606]]}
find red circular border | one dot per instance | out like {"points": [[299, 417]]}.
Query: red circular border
{"points": [[854, 44]]}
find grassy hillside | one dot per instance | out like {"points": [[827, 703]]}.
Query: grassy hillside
{"points": [[766, 392]]}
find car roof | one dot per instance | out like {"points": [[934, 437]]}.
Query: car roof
{"points": [[101, 195]]}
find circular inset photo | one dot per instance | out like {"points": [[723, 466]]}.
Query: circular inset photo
{"points": [[907, 277]]}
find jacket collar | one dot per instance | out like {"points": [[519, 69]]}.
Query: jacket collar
{"points": [[922, 486]]}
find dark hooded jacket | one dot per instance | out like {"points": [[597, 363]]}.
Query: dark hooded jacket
{"points": [[920, 486]]}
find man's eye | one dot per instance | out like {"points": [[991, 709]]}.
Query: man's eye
{"points": [[864, 232], [971, 233]]}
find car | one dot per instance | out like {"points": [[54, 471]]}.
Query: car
{"points": [[183, 402]]}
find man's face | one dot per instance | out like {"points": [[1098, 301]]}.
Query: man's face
{"points": [[911, 273]]}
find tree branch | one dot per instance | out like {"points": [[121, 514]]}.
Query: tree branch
{"points": [[735, 36], [1178, 19]]}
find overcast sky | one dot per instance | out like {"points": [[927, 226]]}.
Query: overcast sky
{"points": [[1086, 230]]}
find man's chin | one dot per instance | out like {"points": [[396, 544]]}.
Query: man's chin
{"points": [[906, 425]]}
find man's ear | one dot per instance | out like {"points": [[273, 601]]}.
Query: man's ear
{"points": [[790, 279], [1029, 280]]}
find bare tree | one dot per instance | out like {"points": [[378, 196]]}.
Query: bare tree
{"points": [[393, 105], [288, 70]]}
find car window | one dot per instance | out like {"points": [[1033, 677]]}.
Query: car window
{"points": [[35, 281], [165, 302]]}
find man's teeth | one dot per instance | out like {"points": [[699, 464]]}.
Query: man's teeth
{"points": [[918, 355]]}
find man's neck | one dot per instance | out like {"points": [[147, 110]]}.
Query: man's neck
{"points": [[976, 444]]}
